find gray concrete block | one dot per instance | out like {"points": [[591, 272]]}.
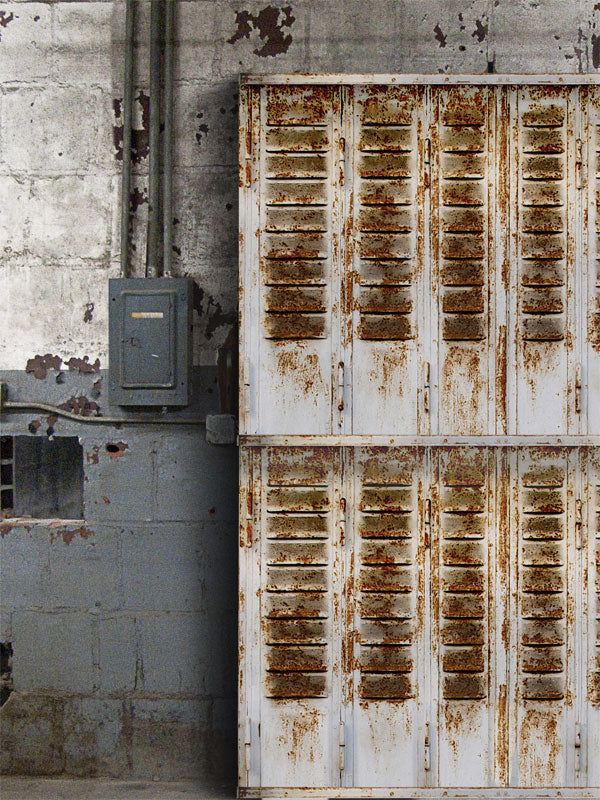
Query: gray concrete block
{"points": [[91, 734], [5, 626], [180, 653], [70, 217], [83, 43], [163, 568], [121, 487], [53, 651], [85, 570], [206, 124], [26, 331], [180, 494], [26, 42], [117, 647], [536, 36], [32, 727], [24, 556], [35, 137], [220, 429], [14, 199]]}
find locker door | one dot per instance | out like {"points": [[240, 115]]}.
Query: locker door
{"points": [[387, 585], [544, 576], [463, 266], [291, 279], [468, 596], [299, 598], [543, 193], [386, 211], [592, 312], [590, 742]]}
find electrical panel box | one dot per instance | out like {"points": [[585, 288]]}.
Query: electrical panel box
{"points": [[150, 341]]}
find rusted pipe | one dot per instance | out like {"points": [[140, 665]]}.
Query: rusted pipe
{"points": [[16, 406], [167, 142], [153, 251], [127, 110]]}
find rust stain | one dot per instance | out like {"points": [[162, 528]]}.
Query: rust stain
{"points": [[39, 365], [116, 449], [440, 36], [93, 457], [5, 18], [68, 535]]}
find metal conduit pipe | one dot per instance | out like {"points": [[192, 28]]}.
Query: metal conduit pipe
{"points": [[153, 253], [127, 113], [167, 142]]}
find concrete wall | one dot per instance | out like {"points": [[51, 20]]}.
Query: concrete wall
{"points": [[123, 625]]}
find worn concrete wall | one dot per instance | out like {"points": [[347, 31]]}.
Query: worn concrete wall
{"points": [[123, 624]]}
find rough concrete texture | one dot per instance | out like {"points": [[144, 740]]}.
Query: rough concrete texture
{"points": [[124, 624]]}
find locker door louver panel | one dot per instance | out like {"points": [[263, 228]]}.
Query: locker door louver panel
{"points": [[296, 241], [386, 166], [387, 520], [542, 578], [463, 569], [461, 243], [297, 580]]}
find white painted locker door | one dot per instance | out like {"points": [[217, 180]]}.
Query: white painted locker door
{"points": [[296, 197], [388, 669], [544, 642], [463, 260], [590, 733], [543, 217], [469, 592], [385, 209], [299, 602], [592, 312]]}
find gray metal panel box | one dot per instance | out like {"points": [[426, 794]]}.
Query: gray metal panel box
{"points": [[150, 341]]}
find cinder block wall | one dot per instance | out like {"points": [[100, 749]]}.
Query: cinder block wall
{"points": [[123, 625]]}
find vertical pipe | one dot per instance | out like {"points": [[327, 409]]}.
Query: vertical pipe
{"points": [[167, 141], [153, 253], [127, 110]]}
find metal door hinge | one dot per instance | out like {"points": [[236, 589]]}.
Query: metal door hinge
{"points": [[578, 523], [340, 383], [342, 746], [579, 163], [427, 388], [249, 516], [342, 520], [247, 745], [427, 521], [577, 747], [428, 150], [578, 389], [342, 160], [427, 749]]}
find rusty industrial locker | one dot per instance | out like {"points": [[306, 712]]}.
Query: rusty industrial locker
{"points": [[419, 430], [423, 253]]}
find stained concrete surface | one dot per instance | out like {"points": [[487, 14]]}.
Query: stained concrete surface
{"points": [[16, 788]]}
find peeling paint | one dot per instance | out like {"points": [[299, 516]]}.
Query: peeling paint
{"points": [[139, 136], [440, 36], [5, 18], [82, 406], [83, 365], [89, 312], [97, 388], [39, 365], [266, 23], [480, 31]]}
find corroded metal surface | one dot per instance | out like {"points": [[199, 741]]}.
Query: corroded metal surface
{"points": [[423, 253], [421, 616]]}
